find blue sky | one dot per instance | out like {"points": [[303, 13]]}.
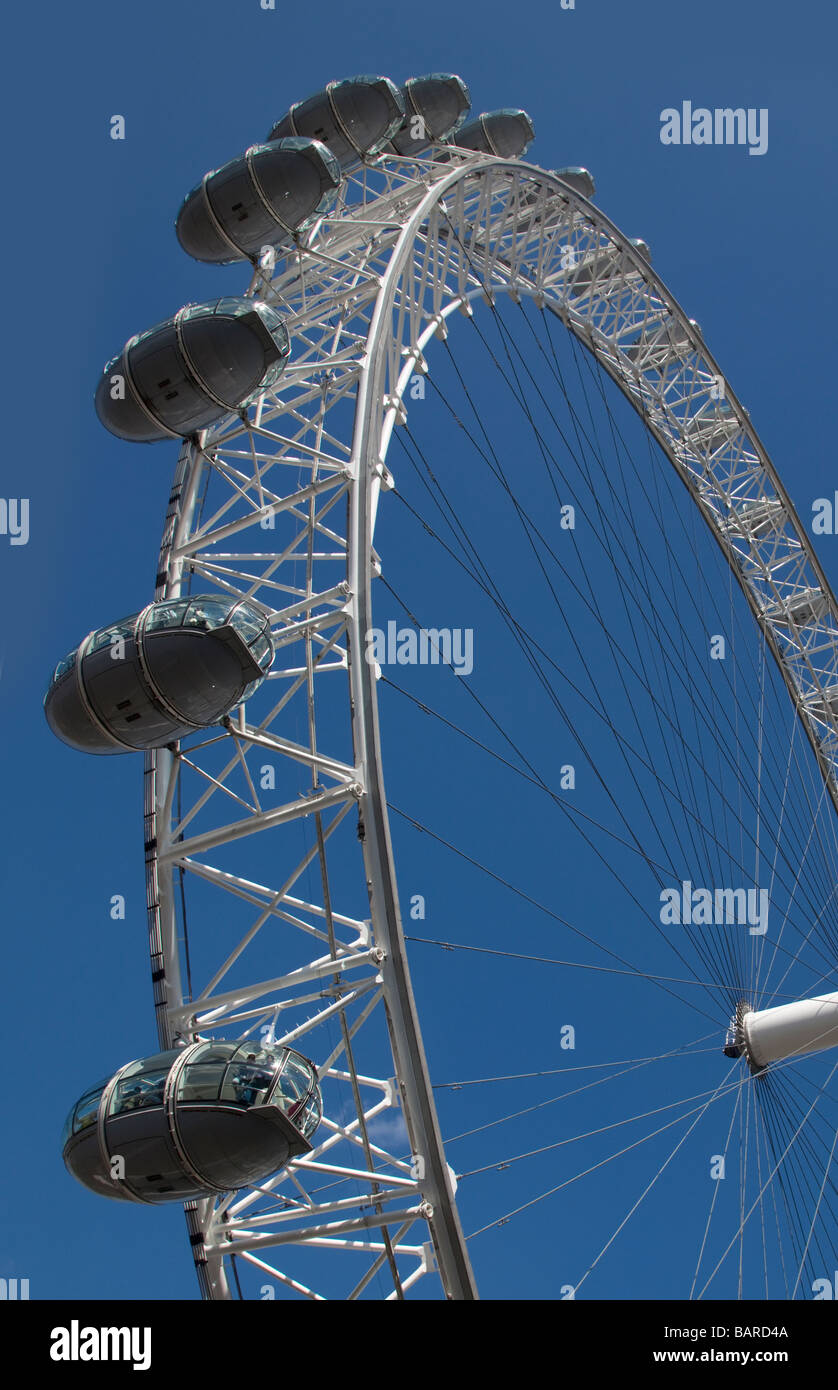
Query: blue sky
{"points": [[744, 242]]}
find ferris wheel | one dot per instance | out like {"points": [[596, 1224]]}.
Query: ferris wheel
{"points": [[291, 1106]]}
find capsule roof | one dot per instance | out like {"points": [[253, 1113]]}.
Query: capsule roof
{"points": [[189, 371], [441, 101], [642, 248], [355, 118], [579, 179], [176, 666], [507, 132], [262, 198]]}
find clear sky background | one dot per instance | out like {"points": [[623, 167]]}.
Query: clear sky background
{"points": [[747, 245]]}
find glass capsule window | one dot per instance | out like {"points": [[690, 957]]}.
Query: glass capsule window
{"points": [[238, 307], [165, 325], [139, 1092], [288, 1093], [222, 170], [262, 1060], [142, 1084], [66, 664], [273, 321], [308, 1119], [248, 1083], [165, 615], [84, 1112], [203, 1076], [232, 305], [262, 650], [296, 1078], [248, 1075], [206, 612], [229, 1072], [249, 689], [269, 380], [298, 1095], [241, 1074], [278, 333], [108, 635], [247, 622]]}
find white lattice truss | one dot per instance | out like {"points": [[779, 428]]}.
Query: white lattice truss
{"points": [[410, 243]]}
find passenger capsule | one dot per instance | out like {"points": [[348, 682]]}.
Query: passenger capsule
{"points": [[354, 118], [179, 665], [580, 180], [205, 1118], [507, 133], [260, 199], [435, 108], [186, 373]]}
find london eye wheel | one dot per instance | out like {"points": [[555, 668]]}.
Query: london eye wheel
{"points": [[661, 784]]}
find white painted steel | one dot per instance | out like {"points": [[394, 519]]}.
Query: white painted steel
{"points": [[790, 1030], [409, 243]]}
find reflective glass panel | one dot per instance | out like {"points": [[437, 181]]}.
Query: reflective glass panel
{"points": [[309, 1117], [248, 623], [203, 1075], [275, 325], [148, 333], [132, 1084], [229, 306], [288, 1093], [167, 614], [262, 651], [85, 1110], [201, 1081], [248, 1083], [205, 612], [269, 380], [300, 1074], [66, 664], [106, 635], [67, 1127], [293, 1090], [139, 1092]]}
